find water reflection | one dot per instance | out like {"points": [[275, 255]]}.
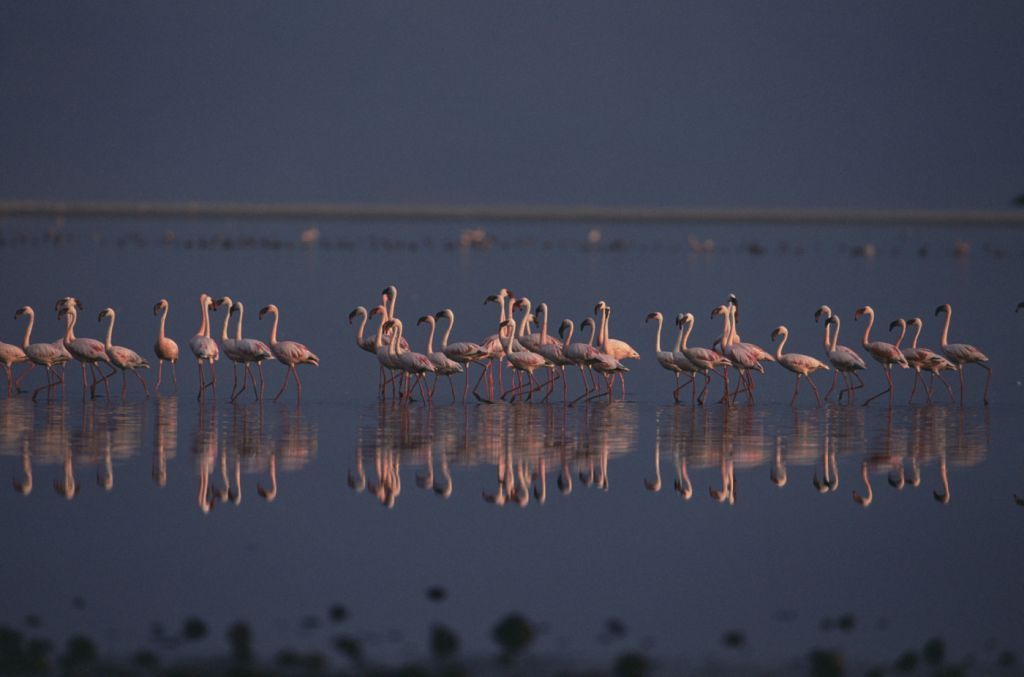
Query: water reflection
{"points": [[533, 453]]}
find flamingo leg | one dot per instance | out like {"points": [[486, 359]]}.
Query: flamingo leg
{"points": [[17, 382], [815, 389], [263, 383], [145, 388], [202, 385], [234, 380], [961, 370], [796, 389], [159, 373], [174, 376], [283, 385], [298, 385], [888, 377], [988, 379], [835, 380], [917, 376], [948, 389], [124, 384]]}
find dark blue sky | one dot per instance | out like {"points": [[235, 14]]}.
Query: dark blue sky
{"points": [[718, 104]]}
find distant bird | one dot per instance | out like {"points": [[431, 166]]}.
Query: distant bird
{"points": [[123, 358], [801, 365], [288, 353], [204, 347], [961, 354], [165, 348], [886, 354], [46, 355]]}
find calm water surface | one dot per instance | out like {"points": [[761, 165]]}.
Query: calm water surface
{"points": [[685, 523]]}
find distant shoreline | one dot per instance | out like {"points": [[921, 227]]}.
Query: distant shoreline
{"points": [[507, 213]]}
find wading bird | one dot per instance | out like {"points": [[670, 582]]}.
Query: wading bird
{"points": [[123, 358], [165, 348], [961, 354], [801, 365], [288, 353], [204, 347], [46, 355], [886, 354]]}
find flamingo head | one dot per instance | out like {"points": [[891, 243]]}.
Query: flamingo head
{"points": [[832, 320], [599, 308], [106, 312], [653, 316], [160, 305], [916, 322], [389, 324], [271, 309], [562, 327], [862, 311], [683, 318], [68, 302], [236, 307], [508, 323], [944, 308], [223, 301], [823, 310], [897, 323], [447, 312], [389, 292], [779, 331], [379, 310], [720, 310], [429, 319], [24, 310], [542, 309], [492, 299], [735, 303]]}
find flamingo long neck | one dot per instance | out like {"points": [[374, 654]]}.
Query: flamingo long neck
{"points": [[109, 343], [526, 316], [867, 329], [227, 320], [448, 331], [568, 337], [508, 339], [945, 328], [726, 330], [679, 340], [734, 337], [778, 349], [163, 323], [593, 331], [828, 342], [28, 330], [379, 341], [544, 327], [204, 317], [362, 326], [69, 333], [396, 338], [273, 329], [903, 333], [687, 328], [657, 337], [606, 316], [917, 335], [430, 336], [391, 308], [835, 334]]}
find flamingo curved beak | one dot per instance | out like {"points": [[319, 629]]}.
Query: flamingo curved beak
{"points": [[425, 318], [19, 312], [894, 324], [264, 311], [857, 315], [941, 309], [352, 315], [775, 333], [651, 316], [490, 299]]}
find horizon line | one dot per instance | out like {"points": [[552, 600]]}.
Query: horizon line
{"points": [[482, 212]]}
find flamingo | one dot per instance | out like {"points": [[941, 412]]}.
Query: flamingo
{"points": [[580, 354], [389, 298], [165, 348], [121, 357], [923, 358], [521, 360], [204, 347], [801, 365], [47, 355], [463, 352], [493, 343], [743, 356], [288, 353], [410, 362], [532, 342], [383, 352], [665, 357], [249, 351], [886, 354], [552, 350], [366, 343], [11, 355], [230, 346], [443, 365], [617, 349], [844, 359], [683, 363], [704, 359], [961, 354], [84, 350]]}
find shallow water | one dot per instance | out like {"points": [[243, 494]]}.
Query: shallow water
{"points": [[684, 522]]}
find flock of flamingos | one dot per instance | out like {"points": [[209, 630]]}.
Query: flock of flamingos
{"points": [[403, 370]]}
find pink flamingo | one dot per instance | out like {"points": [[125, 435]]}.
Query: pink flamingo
{"points": [[443, 365], [886, 354], [801, 365], [46, 355], [532, 342], [412, 363], [961, 354], [389, 298], [11, 355], [551, 350], [383, 352], [288, 353], [165, 348], [704, 359], [493, 343], [683, 363], [84, 350], [121, 357], [580, 354], [249, 351], [617, 349], [923, 358], [522, 361], [745, 357], [665, 357], [463, 352], [204, 347], [843, 359]]}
